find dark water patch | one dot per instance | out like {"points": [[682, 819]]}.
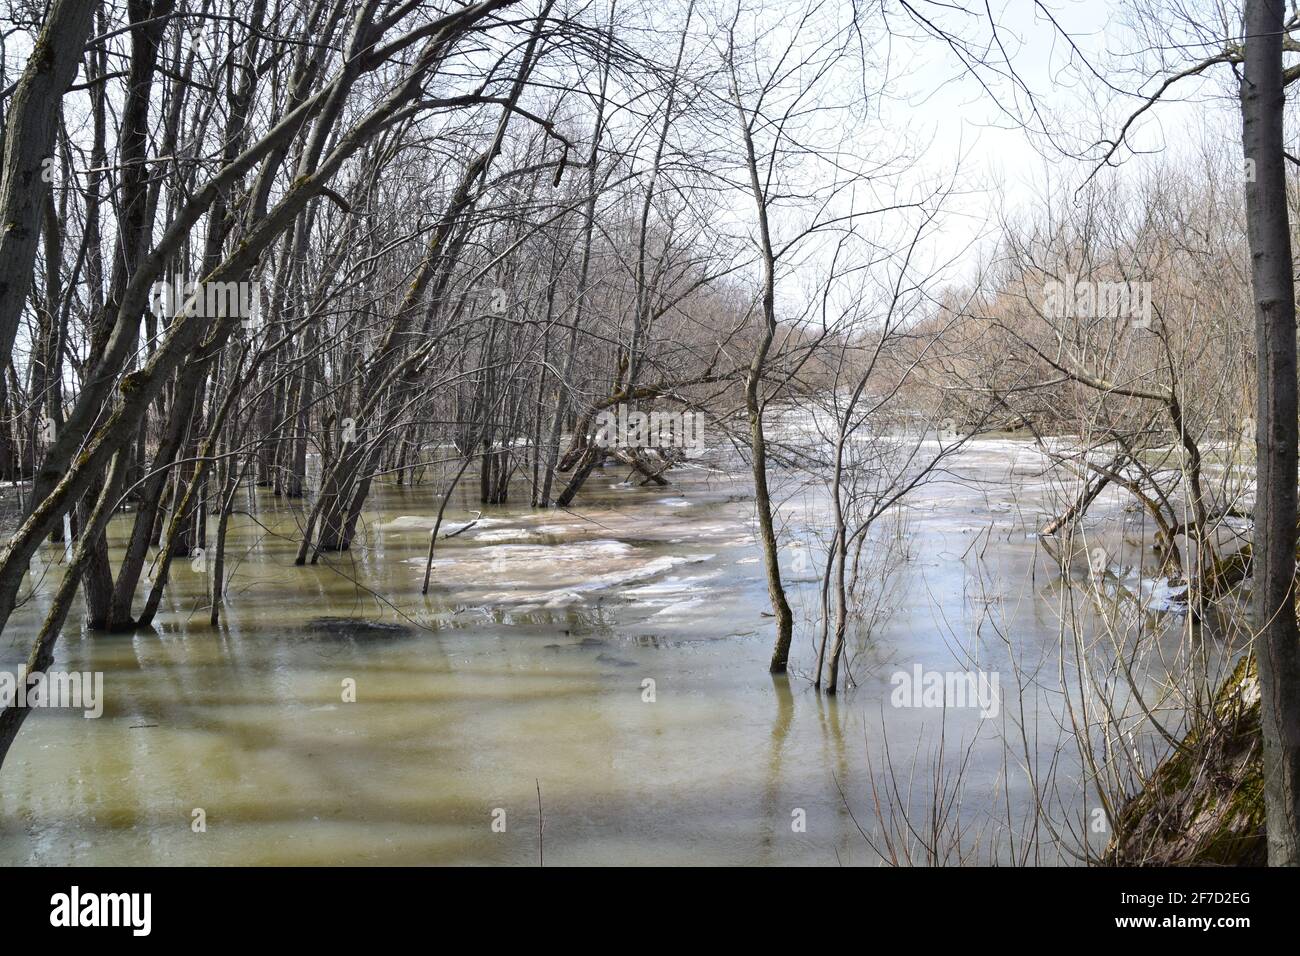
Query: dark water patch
{"points": [[616, 661], [354, 628], [587, 642]]}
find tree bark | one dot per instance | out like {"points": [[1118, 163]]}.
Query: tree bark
{"points": [[28, 142], [1277, 644], [755, 402]]}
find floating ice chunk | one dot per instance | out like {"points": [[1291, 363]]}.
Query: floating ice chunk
{"points": [[1163, 596], [505, 534], [570, 591], [426, 523], [679, 608], [671, 585]]}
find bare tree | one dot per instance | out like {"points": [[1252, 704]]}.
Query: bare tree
{"points": [[1269, 229]]}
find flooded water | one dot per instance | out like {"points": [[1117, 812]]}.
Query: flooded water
{"points": [[601, 672]]}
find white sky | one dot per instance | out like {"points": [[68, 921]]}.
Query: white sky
{"points": [[1008, 167]]}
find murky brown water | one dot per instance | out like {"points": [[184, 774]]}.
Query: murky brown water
{"points": [[525, 669]]}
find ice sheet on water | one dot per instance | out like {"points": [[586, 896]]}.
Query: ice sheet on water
{"points": [[680, 608], [449, 522], [671, 585], [504, 534], [552, 575], [1164, 596], [580, 591]]}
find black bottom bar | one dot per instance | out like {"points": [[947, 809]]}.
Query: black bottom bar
{"points": [[335, 905]]}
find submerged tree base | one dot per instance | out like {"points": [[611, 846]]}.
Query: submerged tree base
{"points": [[1204, 805]]}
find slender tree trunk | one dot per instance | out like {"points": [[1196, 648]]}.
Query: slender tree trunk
{"points": [[28, 144], [754, 405], [1277, 645], [433, 535], [766, 528]]}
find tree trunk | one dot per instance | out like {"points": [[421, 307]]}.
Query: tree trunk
{"points": [[1277, 644], [754, 403], [28, 142]]}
